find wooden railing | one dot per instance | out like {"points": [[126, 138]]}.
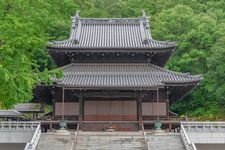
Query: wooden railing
{"points": [[144, 136], [33, 143], [187, 143], [172, 118]]}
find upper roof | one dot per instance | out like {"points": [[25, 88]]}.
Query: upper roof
{"points": [[110, 34], [29, 107], [121, 75]]}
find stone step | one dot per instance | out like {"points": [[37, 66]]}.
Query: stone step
{"points": [[53, 142], [110, 141], [110, 133], [165, 142]]}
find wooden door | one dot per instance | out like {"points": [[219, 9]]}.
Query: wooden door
{"points": [[110, 110]]}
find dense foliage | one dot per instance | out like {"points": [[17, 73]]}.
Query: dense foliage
{"points": [[197, 26]]}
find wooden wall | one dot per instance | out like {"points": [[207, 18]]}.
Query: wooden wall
{"points": [[114, 108], [70, 108], [154, 109], [62, 58]]}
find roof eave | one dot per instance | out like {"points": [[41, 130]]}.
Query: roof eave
{"points": [[183, 83], [111, 87], [109, 50]]}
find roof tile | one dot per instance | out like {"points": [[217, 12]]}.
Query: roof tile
{"points": [[110, 33], [120, 75]]}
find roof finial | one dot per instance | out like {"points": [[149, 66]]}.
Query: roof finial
{"points": [[143, 13], [77, 14]]}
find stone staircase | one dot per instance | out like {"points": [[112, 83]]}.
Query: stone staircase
{"points": [[165, 142], [51, 141], [109, 141]]}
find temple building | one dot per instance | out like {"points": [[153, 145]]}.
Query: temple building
{"points": [[114, 74]]}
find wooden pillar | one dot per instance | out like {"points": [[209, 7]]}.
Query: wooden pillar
{"points": [[167, 109], [53, 100], [167, 103], [33, 116], [140, 111], [157, 93], [50, 126], [81, 107], [63, 103], [170, 126]]}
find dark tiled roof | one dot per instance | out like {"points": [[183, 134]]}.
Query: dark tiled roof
{"points": [[111, 33], [29, 107], [121, 75], [9, 113]]}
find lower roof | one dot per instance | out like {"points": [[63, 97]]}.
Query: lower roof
{"points": [[9, 113], [121, 76], [29, 107]]}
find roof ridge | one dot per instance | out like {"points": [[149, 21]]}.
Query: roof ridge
{"points": [[116, 73], [131, 18], [66, 66]]}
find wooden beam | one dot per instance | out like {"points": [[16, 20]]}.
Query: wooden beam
{"points": [[109, 94]]}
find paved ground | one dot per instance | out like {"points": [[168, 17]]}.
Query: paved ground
{"points": [[11, 146], [210, 146]]}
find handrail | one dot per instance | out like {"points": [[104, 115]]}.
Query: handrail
{"points": [[75, 136], [76, 133], [187, 143], [33, 143], [18, 125], [144, 136], [203, 126]]}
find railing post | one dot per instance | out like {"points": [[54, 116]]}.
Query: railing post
{"points": [[189, 126], [218, 126], [203, 128], [32, 126]]}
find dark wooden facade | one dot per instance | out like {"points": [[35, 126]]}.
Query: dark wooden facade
{"points": [[113, 75]]}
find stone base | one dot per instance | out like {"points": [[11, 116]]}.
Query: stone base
{"points": [[110, 130], [62, 132], [159, 132]]}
